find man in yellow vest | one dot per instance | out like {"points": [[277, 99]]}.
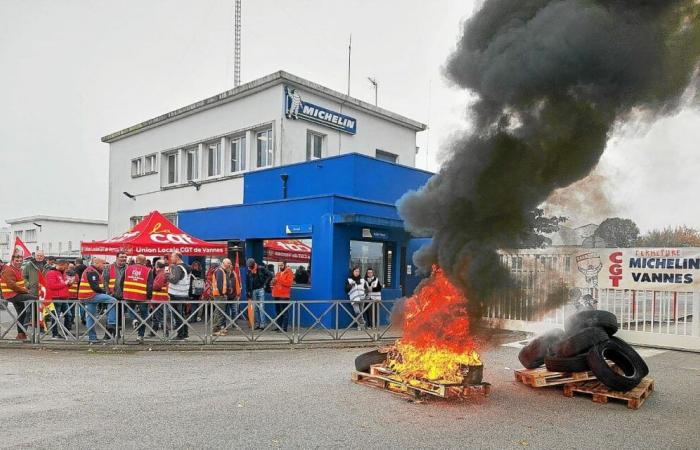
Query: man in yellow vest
{"points": [[138, 289], [14, 289]]}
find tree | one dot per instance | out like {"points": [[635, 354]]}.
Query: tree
{"points": [[618, 232], [681, 236], [538, 225]]}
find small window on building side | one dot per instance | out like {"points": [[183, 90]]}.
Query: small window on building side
{"points": [[136, 167], [314, 145], [213, 159], [264, 148], [31, 236], [171, 161], [70, 246], [192, 164], [150, 166], [238, 150], [386, 156], [19, 234]]}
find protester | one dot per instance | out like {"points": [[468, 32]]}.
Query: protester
{"points": [[137, 290], [256, 279], [220, 289], [268, 286], [91, 294], [113, 276], [79, 267], [281, 291], [50, 264], [196, 290], [301, 276], [58, 286], [356, 288], [160, 294], [179, 288], [30, 271], [14, 289], [374, 294]]}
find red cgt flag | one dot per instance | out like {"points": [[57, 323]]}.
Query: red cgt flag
{"points": [[21, 249], [44, 296]]}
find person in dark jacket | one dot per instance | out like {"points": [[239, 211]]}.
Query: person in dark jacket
{"points": [[98, 296], [356, 289], [257, 278], [301, 276], [179, 288], [374, 295], [79, 267]]}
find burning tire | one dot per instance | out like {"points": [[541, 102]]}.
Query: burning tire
{"points": [[631, 368], [580, 342], [532, 355], [578, 363], [592, 318], [365, 360]]}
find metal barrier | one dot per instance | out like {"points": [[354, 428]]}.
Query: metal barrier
{"points": [[195, 322]]}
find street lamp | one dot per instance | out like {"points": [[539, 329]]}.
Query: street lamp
{"points": [[131, 196], [375, 84]]}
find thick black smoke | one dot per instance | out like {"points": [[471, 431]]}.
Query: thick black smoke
{"points": [[553, 77]]}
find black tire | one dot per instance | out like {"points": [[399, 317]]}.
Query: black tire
{"points": [[578, 363], [580, 342], [625, 357], [532, 355], [591, 318], [365, 360]]}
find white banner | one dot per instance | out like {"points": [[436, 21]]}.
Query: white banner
{"points": [[658, 269]]}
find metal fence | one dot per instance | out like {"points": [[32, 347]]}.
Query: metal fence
{"points": [[194, 322], [657, 318]]}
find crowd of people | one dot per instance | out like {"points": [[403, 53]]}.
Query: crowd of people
{"points": [[140, 283]]}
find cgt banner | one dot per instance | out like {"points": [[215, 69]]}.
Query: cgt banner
{"points": [[659, 269]]}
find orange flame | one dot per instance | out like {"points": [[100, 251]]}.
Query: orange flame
{"points": [[436, 339]]}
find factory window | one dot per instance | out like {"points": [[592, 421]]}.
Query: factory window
{"points": [[314, 145], [31, 236], [134, 220], [264, 147], [372, 255], [70, 246], [171, 163], [60, 247], [238, 150], [386, 156], [213, 159], [19, 234], [150, 165], [136, 167], [295, 252], [192, 164]]}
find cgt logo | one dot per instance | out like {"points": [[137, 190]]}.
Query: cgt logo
{"points": [[169, 238], [615, 268]]}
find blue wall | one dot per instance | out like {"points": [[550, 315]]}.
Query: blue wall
{"points": [[337, 197]]}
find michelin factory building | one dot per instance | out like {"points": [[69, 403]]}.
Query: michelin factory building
{"points": [[281, 169]]}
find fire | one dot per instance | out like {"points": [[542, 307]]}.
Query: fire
{"points": [[436, 342]]}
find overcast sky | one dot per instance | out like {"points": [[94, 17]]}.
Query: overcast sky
{"points": [[76, 70]]}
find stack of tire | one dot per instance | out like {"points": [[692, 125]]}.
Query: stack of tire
{"points": [[587, 343]]}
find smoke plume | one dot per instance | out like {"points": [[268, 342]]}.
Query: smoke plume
{"points": [[553, 78]]}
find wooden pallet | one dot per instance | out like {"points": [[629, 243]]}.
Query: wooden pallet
{"points": [[541, 377], [383, 378], [601, 394]]}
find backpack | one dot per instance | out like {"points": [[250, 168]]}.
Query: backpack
{"points": [[197, 285], [207, 291]]}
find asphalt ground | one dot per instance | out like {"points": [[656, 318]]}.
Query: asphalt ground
{"points": [[305, 399]]}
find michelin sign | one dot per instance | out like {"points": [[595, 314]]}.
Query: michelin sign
{"points": [[296, 108]]}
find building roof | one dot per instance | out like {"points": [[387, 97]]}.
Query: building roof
{"points": [[256, 86], [55, 219]]}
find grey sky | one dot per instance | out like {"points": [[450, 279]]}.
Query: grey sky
{"points": [[75, 70]]}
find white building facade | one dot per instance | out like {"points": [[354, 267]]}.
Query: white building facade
{"points": [[196, 156], [5, 234], [56, 236]]}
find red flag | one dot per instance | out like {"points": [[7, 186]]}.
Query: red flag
{"points": [[44, 296], [21, 249]]}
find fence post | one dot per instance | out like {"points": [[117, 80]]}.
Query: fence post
{"points": [[696, 314]]}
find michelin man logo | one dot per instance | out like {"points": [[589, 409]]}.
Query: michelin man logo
{"points": [[589, 265], [293, 103]]}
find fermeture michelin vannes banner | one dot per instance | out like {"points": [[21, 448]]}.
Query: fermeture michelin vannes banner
{"points": [[657, 269]]}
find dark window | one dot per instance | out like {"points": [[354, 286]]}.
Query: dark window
{"points": [[386, 156]]}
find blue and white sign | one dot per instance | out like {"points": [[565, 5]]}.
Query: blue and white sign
{"points": [[298, 229], [296, 108]]}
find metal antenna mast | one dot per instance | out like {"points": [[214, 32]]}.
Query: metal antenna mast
{"points": [[237, 51]]}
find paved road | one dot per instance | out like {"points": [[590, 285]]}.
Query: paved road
{"points": [[304, 399]]}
